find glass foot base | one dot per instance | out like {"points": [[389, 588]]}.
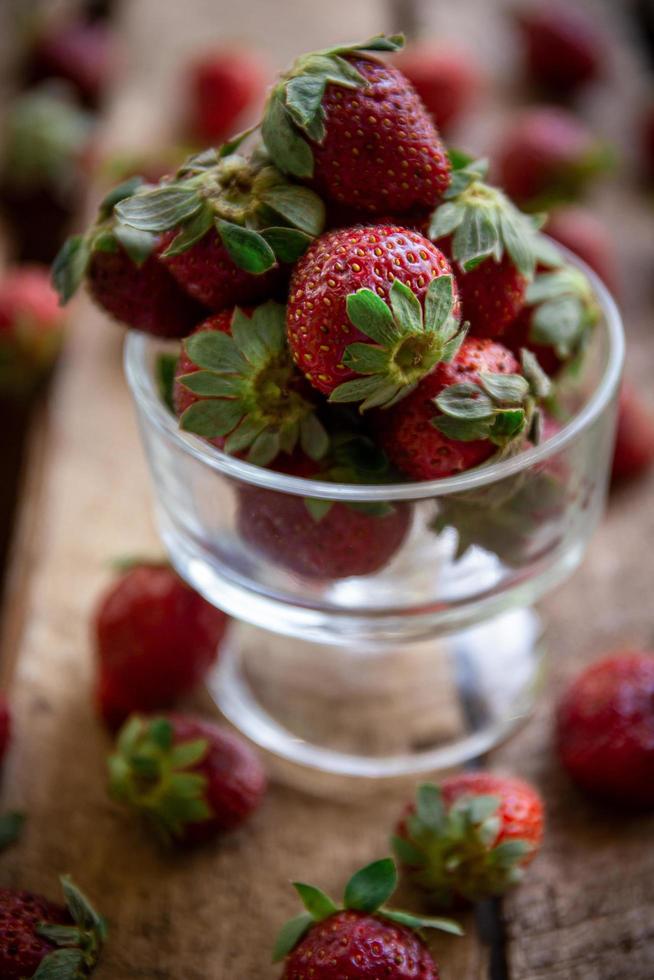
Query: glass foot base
{"points": [[383, 711]]}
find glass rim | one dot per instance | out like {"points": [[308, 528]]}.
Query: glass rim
{"points": [[144, 390]]}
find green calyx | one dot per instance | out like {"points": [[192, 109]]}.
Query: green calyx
{"points": [[408, 341], [564, 310], [500, 407], [107, 234], [450, 852], [79, 944], [248, 390], [366, 891], [156, 777], [294, 112], [354, 458], [483, 222], [260, 217]]}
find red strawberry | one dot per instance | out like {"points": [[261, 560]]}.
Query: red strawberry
{"points": [[339, 326], [238, 387], [555, 324], [492, 294], [31, 328], [634, 441], [563, 48], [79, 52], [357, 129], [202, 780], [471, 837], [446, 78], [605, 729], [124, 276], [223, 86], [228, 224], [580, 230], [364, 940], [425, 442], [37, 935], [319, 539], [155, 640], [5, 726], [548, 155]]}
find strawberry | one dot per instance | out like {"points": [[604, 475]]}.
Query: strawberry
{"points": [[559, 315], [460, 414], [605, 729], [5, 726], [562, 46], [492, 245], [78, 52], [237, 386], [548, 155], [155, 640], [44, 138], [356, 129], [228, 222], [124, 276], [39, 938], [189, 779], [580, 230], [634, 441], [376, 301], [223, 85], [318, 538], [469, 838], [446, 78], [361, 940], [31, 328]]}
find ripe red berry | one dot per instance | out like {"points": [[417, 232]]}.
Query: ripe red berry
{"points": [[634, 441], [336, 266], [446, 78], [31, 328], [224, 85], [155, 640], [548, 155], [471, 837], [416, 446], [605, 729], [32, 938], [563, 48], [202, 779], [357, 129]]}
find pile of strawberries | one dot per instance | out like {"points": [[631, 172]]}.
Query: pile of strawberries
{"points": [[347, 280]]}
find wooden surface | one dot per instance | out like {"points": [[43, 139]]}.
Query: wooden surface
{"points": [[586, 910]]}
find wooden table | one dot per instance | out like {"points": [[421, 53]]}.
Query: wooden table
{"points": [[586, 909]]}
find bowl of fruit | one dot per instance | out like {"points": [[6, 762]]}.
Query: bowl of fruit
{"points": [[378, 406]]}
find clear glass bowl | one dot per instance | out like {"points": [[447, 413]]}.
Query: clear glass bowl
{"points": [[429, 653]]}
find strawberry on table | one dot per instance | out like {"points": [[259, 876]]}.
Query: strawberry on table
{"points": [[605, 729], [155, 640], [356, 129], [469, 838], [318, 538], [371, 310], [362, 939], [549, 155], [191, 780], [229, 225], [123, 274], [463, 412], [446, 78], [224, 85], [44, 940], [563, 48], [237, 386], [634, 440], [31, 328]]}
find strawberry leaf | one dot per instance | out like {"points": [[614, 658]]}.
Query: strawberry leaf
{"points": [[160, 209], [69, 267], [62, 964], [370, 887], [419, 922], [288, 150], [315, 901], [248, 249], [288, 244], [290, 935], [300, 206]]}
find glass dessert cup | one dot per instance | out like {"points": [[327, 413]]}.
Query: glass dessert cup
{"points": [[393, 634]]}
